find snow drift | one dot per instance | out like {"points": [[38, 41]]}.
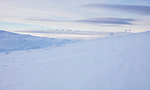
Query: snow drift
{"points": [[12, 41], [114, 63]]}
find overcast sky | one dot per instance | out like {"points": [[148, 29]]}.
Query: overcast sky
{"points": [[84, 15]]}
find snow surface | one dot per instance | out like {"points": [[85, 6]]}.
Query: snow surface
{"points": [[12, 41], [113, 63]]}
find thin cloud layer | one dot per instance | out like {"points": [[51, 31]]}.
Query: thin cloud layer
{"points": [[138, 9], [45, 19], [104, 20], [110, 20]]}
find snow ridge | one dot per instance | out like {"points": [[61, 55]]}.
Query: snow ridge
{"points": [[12, 41]]}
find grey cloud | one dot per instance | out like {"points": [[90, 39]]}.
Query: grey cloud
{"points": [[104, 20], [138, 9], [110, 20]]}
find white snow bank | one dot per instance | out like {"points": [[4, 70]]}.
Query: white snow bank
{"points": [[11, 41], [114, 63]]}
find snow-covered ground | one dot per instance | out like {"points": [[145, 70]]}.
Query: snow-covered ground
{"points": [[113, 63], [12, 41]]}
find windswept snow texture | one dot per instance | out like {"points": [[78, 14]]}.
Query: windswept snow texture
{"points": [[114, 63], [12, 41]]}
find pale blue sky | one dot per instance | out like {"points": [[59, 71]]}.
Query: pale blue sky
{"points": [[84, 15]]}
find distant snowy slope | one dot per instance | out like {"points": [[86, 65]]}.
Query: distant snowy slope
{"points": [[12, 41], [113, 63]]}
